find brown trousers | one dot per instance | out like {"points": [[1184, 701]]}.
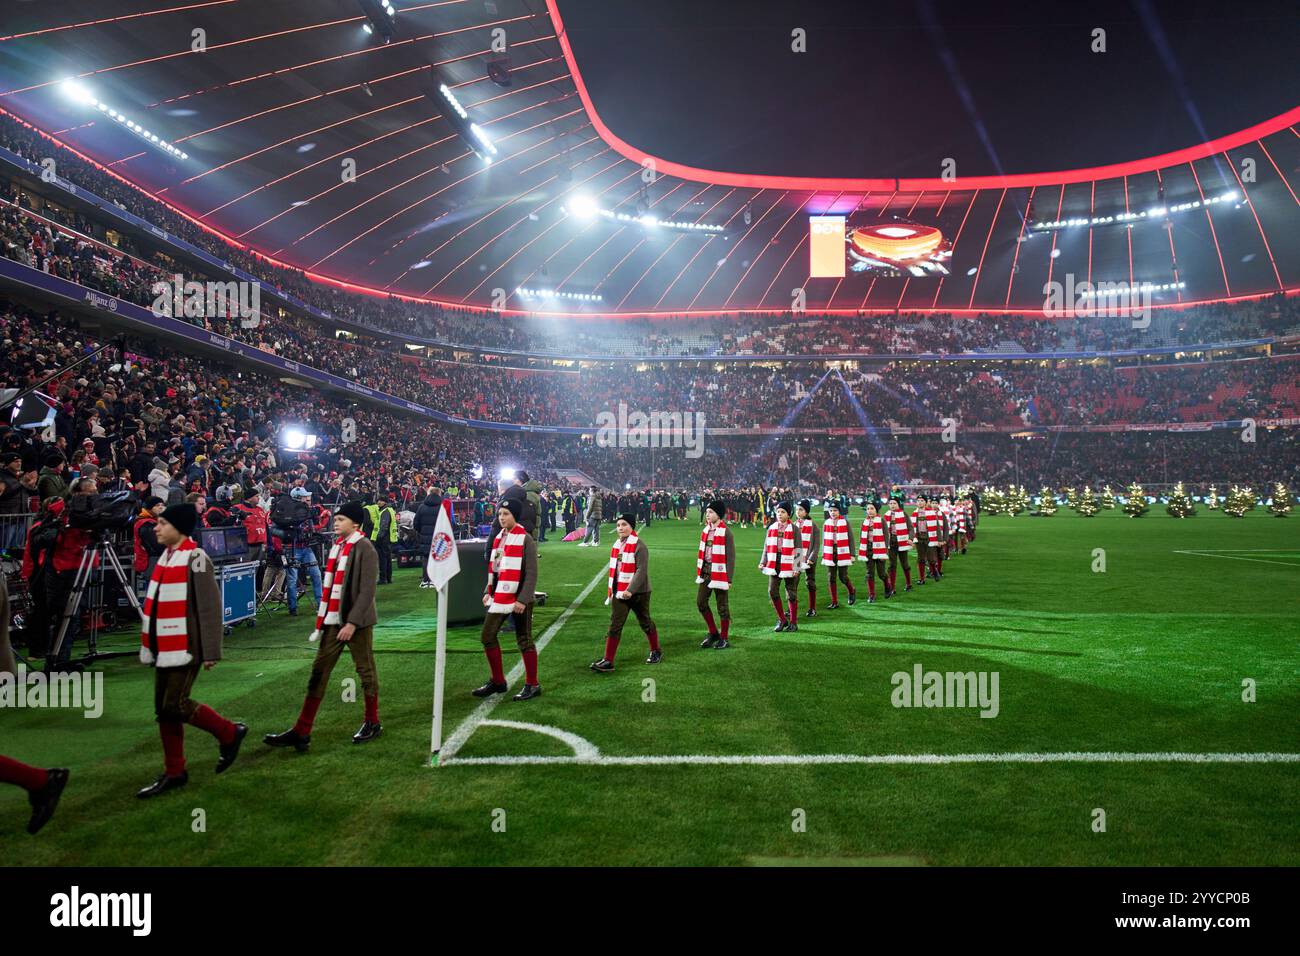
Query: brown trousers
{"points": [[638, 604], [702, 593], [492, 623], [900, 557], [362, 649], [879, 566], [171, 692], [791, 587]]}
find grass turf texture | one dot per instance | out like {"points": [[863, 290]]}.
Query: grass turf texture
{"points": [[1148, 656]]}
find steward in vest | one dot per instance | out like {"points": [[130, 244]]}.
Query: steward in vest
{"points": [[837, 553], [715, 567], [900, 545], [144, 540], [873, 548], [810, 539], [511, 590], [346, 617], [383, 521], [782, 558], [629, 591], [182, 634]]}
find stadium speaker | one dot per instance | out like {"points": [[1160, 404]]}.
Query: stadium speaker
{"points": [[498, 71]]}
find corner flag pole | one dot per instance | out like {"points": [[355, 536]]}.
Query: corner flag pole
{"points": [[442, 565]]}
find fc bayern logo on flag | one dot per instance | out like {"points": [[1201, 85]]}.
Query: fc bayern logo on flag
{"points": [[443, 547]]}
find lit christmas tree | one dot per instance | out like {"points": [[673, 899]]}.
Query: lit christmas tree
{"points": [[1047, 502], [1240, 500], [993, 503], [1072, 498], [1107, 498], [1135, 504], [1212, 499], [1180, 503], [1086, 506], [1017, 500], [1282, 500]]}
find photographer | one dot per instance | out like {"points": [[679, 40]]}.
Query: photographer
{"points": [[252, 516], [60, 573], [144, 539], [297, 529]]}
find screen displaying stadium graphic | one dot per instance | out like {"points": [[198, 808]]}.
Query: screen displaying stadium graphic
{"points": [[888, 247]]}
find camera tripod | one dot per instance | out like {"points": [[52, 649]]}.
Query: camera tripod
{"points": [[83, 580]]}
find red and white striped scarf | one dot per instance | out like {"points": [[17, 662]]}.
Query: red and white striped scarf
{"points": [[931, 518], [872, 544], [166, 600], [836, 550], [902, 535], [959, 515], [805, 534], [336, 569], [508, 566], [717, 558], [778, 554], [622, 565]]}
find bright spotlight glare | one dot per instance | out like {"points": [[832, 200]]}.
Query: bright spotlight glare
{"points": [[584, 206], [294, 438], [77, 92], [508, 473]]}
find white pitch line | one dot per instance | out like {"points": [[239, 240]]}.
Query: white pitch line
{"points": [[481, 712], [777, 760], [1233, 557]]}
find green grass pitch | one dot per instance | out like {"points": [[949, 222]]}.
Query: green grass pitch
{"points": [[1148, 657]]}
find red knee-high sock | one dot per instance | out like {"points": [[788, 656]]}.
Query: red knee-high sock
{"points": [[794, 608], [494, 661], [780, 608], [835, 593], [920, 566], [726, 626], [205, 718], [940, 562], [611, 648], [871, 586], [709, 622], [907, 575], [812, 599], [372, 708], [653, 638], [173, 742], [24, 775], [852, 590], [530, 666], [307, 717], [893, 575]]}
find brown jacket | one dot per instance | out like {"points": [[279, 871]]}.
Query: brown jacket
{"points": [[527, 593], [640, 583], [357, 605], [203, 619]]}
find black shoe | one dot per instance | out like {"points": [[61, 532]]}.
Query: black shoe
{"points": [[792, 625], [602, 665], [368, 732], [920, 582], [488, 689], [163, 784], [908, 588], [655, 657], [780, 626], [532, 690], [963, 550], [290, 738], [231, 750], [871, 598], [722, 644], [810, 613], [853, 599], [833, 606], [45, 800], [710, 641], [293, 612]]}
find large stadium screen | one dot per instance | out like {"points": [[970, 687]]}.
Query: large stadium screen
{"points": [[826, 247]]}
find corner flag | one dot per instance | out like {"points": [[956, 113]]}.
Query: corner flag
{"points": [[442, 564]]}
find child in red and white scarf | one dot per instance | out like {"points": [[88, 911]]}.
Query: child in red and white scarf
{"points": [[511, 591], [837, 553], [782, 558], [345, 618], [715, 567], [629, 591], [181, 634], [810, 537]]}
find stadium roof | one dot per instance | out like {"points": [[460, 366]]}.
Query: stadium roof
{"points": [[281, 96]]}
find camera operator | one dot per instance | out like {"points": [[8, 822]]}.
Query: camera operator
{"points": [[298, 550], [250, 513], [60, 574], [144, 539]]}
